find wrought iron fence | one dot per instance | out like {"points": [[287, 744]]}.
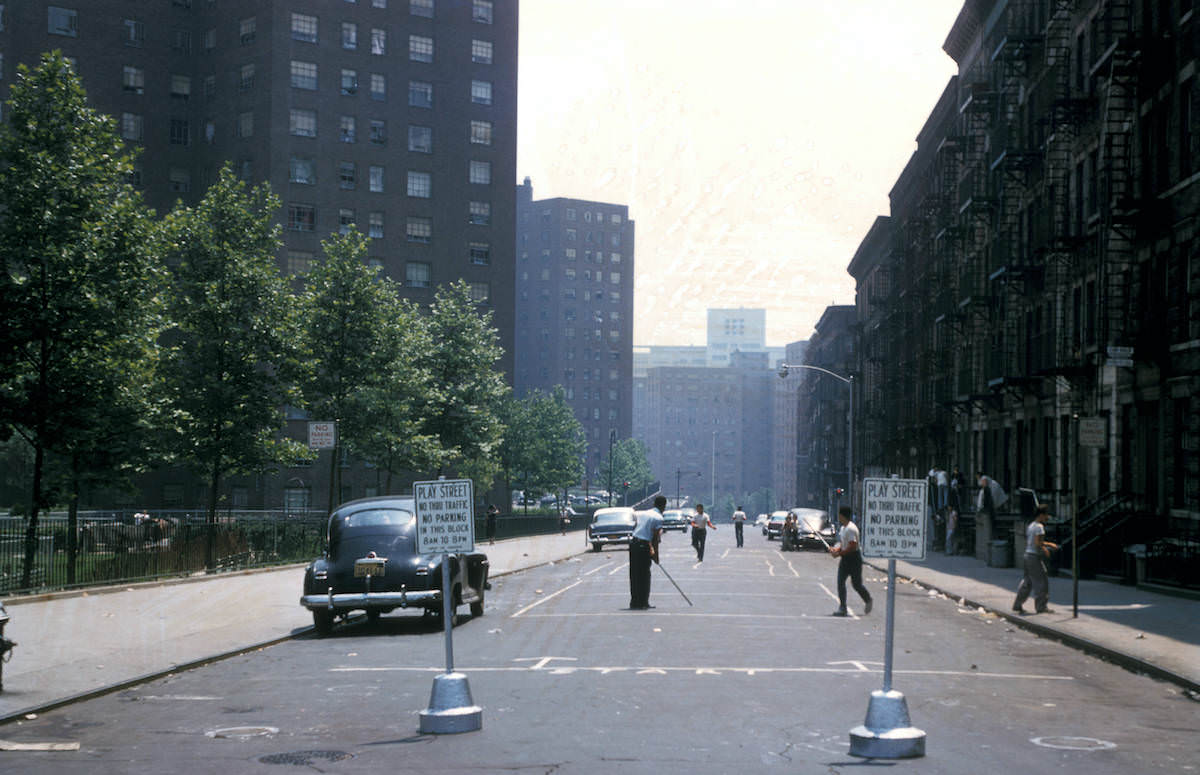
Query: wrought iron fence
{"points": [[117, 547]]}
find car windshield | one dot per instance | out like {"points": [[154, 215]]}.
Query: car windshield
{"points": [[378, 517], [673, 515], [613, 518], [812, 521]]}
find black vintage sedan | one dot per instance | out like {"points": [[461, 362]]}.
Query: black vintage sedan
{"points": [[372, 565], [814, 530], [611, 526]]}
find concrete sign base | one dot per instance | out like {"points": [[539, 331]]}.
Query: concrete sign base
{"points": [[451, 709], [887, 732]]}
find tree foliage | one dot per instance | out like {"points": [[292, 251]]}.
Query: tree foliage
{"points": [[80, 290], [629, 464], [231, 365], [544, 443]]}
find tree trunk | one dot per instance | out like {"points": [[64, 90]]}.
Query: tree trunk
{"points": [[210, 541], [31, 542], [333, 466], [73, 527]]}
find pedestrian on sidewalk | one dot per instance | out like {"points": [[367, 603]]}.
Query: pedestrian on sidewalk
{"points": [[951, 526], [700, 525], [739, 521], [850, 562], [1034, 580], [643, 548], [490, 522]]}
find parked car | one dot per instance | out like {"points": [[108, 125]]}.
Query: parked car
{"points": [[811, 526], [775, 524], [372, 565], [677, 519], [761, 521], [611, 526]]}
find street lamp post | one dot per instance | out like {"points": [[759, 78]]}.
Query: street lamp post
{"points": [[678, 495], [713, 495], [612, 437], [849, 381]]}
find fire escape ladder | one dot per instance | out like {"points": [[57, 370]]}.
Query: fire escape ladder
{"points": [[1118, 207]]}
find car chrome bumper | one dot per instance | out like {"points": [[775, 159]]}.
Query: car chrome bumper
{"points": [[610, 539], [367, 600]]}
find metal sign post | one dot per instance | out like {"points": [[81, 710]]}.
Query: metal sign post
{"points": [[893, 526], [446, 525]]}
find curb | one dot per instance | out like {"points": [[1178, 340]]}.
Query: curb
{"points": [[1120, 658]]}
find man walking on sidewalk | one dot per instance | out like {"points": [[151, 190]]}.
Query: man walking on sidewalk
{"points": [[700, 525], [739, 521], [850, 564], [1034, 579]]}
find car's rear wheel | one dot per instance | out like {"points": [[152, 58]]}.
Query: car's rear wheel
{"points": [[373, 615], [477, 606], [322, 621]]}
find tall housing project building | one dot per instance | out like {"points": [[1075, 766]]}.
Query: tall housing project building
{"points": [[574, 318], [396, 116]]}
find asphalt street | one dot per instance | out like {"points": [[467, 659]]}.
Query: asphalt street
{"points": [[755, 677]]}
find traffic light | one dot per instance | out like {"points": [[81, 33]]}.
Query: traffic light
{"points": [[839, 492], [626, 485]]}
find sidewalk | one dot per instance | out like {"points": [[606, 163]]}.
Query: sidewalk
{"points": [[1137, 628], [74, 644]]}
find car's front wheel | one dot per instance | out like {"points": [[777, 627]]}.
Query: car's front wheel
{"points": [[322, 621], [595, 547]]}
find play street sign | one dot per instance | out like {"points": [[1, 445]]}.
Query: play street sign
{"points": [[894, 518], [445, 516]]}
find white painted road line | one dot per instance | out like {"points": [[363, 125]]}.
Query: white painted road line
{"points": [[550, 596], [620, 567], [595, 570], [835, 599], [711, 671]]}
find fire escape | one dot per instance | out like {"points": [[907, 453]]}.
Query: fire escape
{"points": [[1015, 164]]}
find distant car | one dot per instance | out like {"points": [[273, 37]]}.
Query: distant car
{"points": [[611, 526], [775, 524], [761, 521], [813, 525], [677, 519], [372, 565]]}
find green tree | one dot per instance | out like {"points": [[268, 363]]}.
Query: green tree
{"points": [[628, 464], [80, 290], [231, 365], [544, 443], [462, 409], [347, 344]]}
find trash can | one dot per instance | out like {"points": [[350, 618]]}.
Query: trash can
{"points": [[1000, 554]]}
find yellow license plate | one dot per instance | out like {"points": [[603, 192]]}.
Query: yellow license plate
{"points": [[368, 568]]}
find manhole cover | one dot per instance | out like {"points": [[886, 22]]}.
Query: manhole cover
{"points": [[305, 758], [1073, 743], [242, 732]]}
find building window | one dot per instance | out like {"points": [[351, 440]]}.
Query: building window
{"points": [[210, 39], [481, 11], [347, 175], [375, 179], [345, 221], [134, 33], [62, 21], [349, 83], [346, 129], [480, 292], [420, 184], [420, 48], [378, 41], [571, 214], [180, 180], [181, 88], [378, 87], [421, 8], [246, 77], [481, 52], [302, 123], [378, 131], [419, 230], [181, 40], [375, 225], [304, 75], [480, 253], [245, 124], [302, 217], [247, 30], [420, 94], [417, 274], [209, 86], [304, 27], [133, 80], [299, 262], [479, 213], [480, 172], [379, 3], [302, 171], [569, 254], [481, 132], [420, 139], [571, 235], [179, 134], [481, 92]]}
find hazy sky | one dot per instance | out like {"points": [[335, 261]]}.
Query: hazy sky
{"points": [[754, 140]]}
